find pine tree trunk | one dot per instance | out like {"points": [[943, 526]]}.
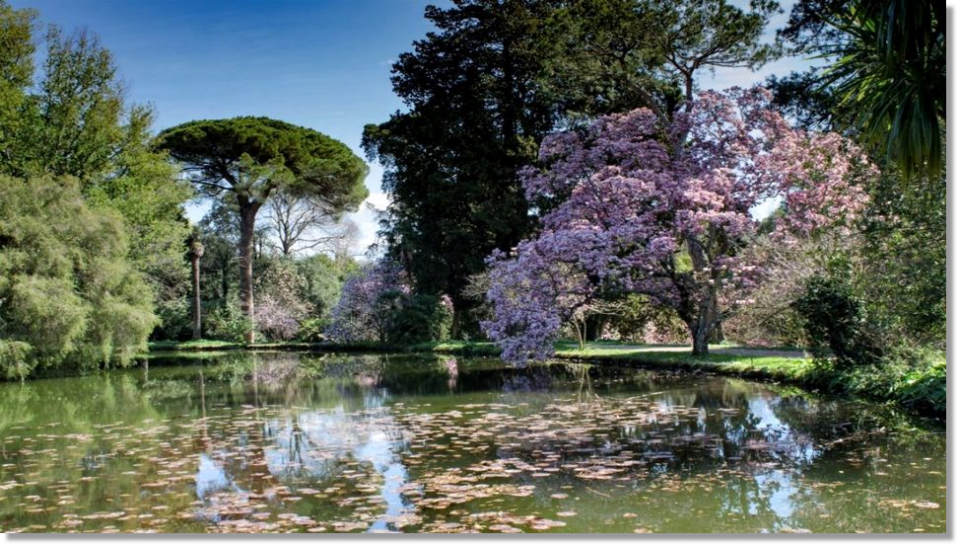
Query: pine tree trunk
{"points": [[248, 214]]}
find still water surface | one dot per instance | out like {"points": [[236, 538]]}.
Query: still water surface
{"points": [[276, 442]]}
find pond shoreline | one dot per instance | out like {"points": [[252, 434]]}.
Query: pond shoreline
{"points": [[900, 388]]}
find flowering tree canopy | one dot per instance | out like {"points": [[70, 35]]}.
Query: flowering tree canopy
{"points": [[366, 303], [280, 308], [632, 206]]}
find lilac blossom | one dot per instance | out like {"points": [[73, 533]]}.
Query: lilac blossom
{"points": [[666, 212], [363, 311]]}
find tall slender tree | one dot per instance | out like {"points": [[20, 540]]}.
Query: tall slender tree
{"points": [[196, 253]]}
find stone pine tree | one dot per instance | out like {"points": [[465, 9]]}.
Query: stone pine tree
{"points": [[249, 159]]}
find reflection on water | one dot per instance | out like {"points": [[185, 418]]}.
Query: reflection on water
{"points": [[242, 442]]}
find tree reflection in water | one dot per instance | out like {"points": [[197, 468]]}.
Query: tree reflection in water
{"points": [[286, 441]]}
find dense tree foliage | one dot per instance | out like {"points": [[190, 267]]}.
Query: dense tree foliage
{"points": [[280, 307], [322, 278], [834, 319], [16, 75], [69, 296], [883, 84], [495, 78], [555, 172], [369, 300], [378, 305], [451, 162], [248, 160]]}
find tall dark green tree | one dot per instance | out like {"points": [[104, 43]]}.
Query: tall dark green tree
{"points": [[623, 54], [248, 159], [476, 114]]}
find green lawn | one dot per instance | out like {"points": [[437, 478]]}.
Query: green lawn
{"points": [[770, 366]]}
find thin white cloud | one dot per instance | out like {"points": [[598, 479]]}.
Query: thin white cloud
{"points": [[367, 221], [378, 200]]}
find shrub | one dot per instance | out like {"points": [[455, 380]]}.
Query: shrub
{"points": [[280, 307], [377, 304], [925, 388], [368, 302], [833, 319], [312, 330], [176, 322], [228, 323], [421, 318], [15, 361], [321, 279]]}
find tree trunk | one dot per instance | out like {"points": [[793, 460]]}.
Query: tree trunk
{"points": [[705, 312], [705, 327], [248, 215], [195, 265], [456, 326], [716, 336], [700, 333], [702, 325]]}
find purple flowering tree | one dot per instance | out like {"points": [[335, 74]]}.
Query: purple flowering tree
{"points": [[632, 206], [367, 302]]}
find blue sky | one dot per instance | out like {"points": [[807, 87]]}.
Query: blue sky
{"points": [[323, 64]]}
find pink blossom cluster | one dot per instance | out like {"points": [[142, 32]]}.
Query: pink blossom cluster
{"points": [[666, 212], [279, 318]]}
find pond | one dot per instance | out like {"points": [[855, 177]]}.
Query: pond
{"points": [[276, 442]]}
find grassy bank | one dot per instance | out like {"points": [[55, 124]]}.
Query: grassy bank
{"points": [[451, 347], [920, 386]]}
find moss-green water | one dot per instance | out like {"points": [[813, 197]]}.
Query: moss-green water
{"points": [[236, 442]]}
